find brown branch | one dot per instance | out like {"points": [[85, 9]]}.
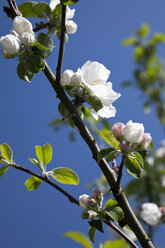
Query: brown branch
{"points": [[120, 173], [119, 231], [46, 180]]}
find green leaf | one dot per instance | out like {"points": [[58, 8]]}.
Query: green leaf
{"points": [[144, 154], [46, 42], [3, 170], [130, 41], [34, 64], [116, 244], [79, 238], [91, 233], [64, 175], [106, 152], [24, 73], [95, 102], [44, 153], [38, 163], [6, 152], [63, 111], [113, 210], [138, 157], [69, 2], [34, 9], [151, 145], [58, 11], [97, 224], [133, 167], [32, 183], [143, 31], [110, 139]]}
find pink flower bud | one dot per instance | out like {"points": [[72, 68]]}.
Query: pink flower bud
{"points": [[117, 129], [96, 194], [146, 140]]}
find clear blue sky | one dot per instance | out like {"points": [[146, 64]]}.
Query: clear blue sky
{"points": [[38, 218]]}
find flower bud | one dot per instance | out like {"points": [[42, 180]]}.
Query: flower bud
{"points": [[66, 77], [21, 25], [98, 196], [146, 140], [27, 38], [150, 213], [84, 201], [71, 27], [76, 79], [10, 44], [133, 132], [117, 129]]}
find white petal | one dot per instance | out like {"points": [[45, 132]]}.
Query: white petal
{"points": [[53, 4], [21, 25], [66, 77], [105, 112], [95, 73], [71, 27], [69, 13]]}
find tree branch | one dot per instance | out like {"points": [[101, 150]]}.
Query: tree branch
{"points": [[116, 229], [46, 180]]}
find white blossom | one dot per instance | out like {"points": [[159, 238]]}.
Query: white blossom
{"points": [[130, 234], [21, 25], [71, 26], [117, 129], [66, 77], [10, 44], [146, 140], [27, 38], [150, 213], [160, 152], [84, 201], [133, 132]]}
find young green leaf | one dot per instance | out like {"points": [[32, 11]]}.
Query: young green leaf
{"points": [[116, 244], [106, 152], [79, 238], [34, 9], [138, 157], [95, 102], [38, 163], [91, 233], [130, 41], [110, 139], [6, 152], [133, 167], [24, 73], [64, 175], [44, 153], [46, 42], [3, 170], [113, 210], [33, 64], [97, 224], [32, 183], [69, 2]]}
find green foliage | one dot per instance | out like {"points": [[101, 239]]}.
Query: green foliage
{"points": [[64, 175], [6, 152], [97, 224], [138, 157], [44, 153], [107, 152], [24, 73], [149, 74], [32, 183], [95, 102], [3, 170], [79, 238], [110, 139], [133, 167], [116, 244], [34, 9], [34, 63], [44, 43], [113, 210], [91, 233], [69, 2]]}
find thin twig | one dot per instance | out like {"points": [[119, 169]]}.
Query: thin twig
{"points": [[119, 231], [117, 184], [45, 179], [62, 41]]}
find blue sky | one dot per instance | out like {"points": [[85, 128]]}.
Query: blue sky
{"points": [[38, 218]]}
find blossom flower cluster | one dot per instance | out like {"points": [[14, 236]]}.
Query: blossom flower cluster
{"points": [[150, 213], [93, 76], [132, 133], [21, 34], [71, 26], [91, 202]]}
